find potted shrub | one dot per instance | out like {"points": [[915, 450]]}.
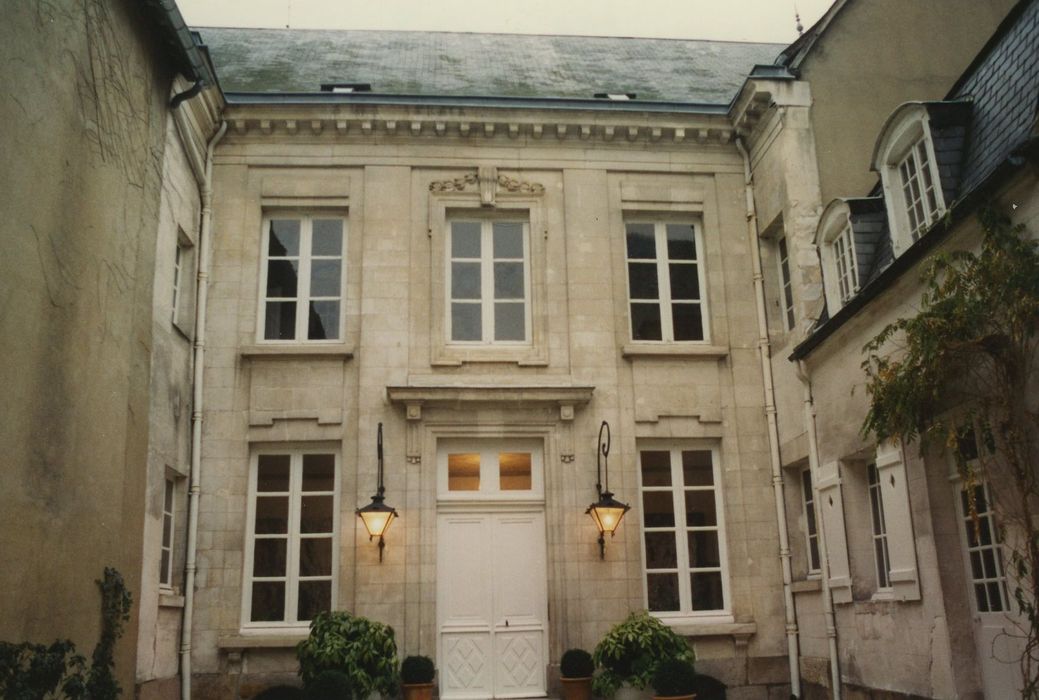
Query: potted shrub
{"points": [[675, 679], [631, 652], [416, 678], [362, 649], [575, 670]]}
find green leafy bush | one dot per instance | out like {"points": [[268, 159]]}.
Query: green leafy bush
{"points": [[416, 670], [632, 651], [576, 663], [363, 649], [330, 685], [674, 677]]}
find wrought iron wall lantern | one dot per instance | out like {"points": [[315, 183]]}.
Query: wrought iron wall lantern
{"points": [[377, 516], [607, 512]]}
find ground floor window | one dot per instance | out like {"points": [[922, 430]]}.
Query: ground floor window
{"points": [[985, 551], [683, 530], [291, 555]]}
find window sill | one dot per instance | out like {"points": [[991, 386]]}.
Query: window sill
{"points": [[296, 352], [262, 640], [170, 600], [809, 585], [690, 627], [674, 350]]}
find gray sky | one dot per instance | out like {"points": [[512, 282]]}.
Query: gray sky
{"points": [[732, 20]]}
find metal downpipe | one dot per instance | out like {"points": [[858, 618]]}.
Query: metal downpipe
{"points": [[773, 430]]}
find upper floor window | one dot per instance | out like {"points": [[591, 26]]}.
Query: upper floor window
{"points": [[302, 277], [904, 156], [290, 560], [166, 547], [665, 281], [787, 287], [843, 250], [836, 241], [683, 531], [488, 282]]}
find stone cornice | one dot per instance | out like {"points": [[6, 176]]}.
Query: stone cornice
{"points": [[359, 124], [758, 96]]}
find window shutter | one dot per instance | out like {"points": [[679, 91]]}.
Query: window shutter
{"points": [[894, 489], [831, 512]]}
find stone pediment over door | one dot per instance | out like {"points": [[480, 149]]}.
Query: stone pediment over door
{"points": [[560, 399]]}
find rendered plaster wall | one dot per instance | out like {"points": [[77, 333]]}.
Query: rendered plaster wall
{"points": [[382, 183], [875, 56], [921, 647], [169, 434], [84, 123]]}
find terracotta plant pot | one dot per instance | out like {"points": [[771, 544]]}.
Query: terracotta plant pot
{"points": [[577, 688], [418, 691]]}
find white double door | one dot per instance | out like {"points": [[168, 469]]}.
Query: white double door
{"points": [[492, 609]]}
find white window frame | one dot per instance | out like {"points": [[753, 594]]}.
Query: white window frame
{"points": [[488, 449], [303, 297], [878, 530], [178, 269], [664, 279], [167, 534], [684, 569], [292, 577], [907, 136], [836, 240], [812, 563], [786, 284], [486, 262]]}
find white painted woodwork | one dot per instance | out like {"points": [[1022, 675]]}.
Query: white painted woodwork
{"points": [[831, 514], [901, 541]]}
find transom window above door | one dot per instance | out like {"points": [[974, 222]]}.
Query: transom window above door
{"points": [[488, 282], [490, 469], [301, 281], [665, 281]]}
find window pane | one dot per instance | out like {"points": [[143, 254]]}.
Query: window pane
{"points": [[642, 281], [315, 556], [319, 472], [314, 597], [662, 592], [466, 323], [323, 323], [325, 279], [696, 468], [463, 472], [813, 553], [703, 549], [699, 509], [656, 467], [995, 602], [167, 530], [979, 593], [465, 239], [284, 238], [514, 471], [989, 558], [661, 552], [164, 567], [510, 322], [681, 242], [315, 514], [685, 283], [975, 565], [268, 603], [282, 278], [641, 243], [645, 322], [465, 280], [280, 321], [167, 497], [508, 280], [707, 590], [272, 515], [508, 239], [658, 509], [328, 237], [272, 473], [269, 557], [687, 321]]}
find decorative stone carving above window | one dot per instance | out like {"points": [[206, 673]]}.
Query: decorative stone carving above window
{"points": [[489, 183]]}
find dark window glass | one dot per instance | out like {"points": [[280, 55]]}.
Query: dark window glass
{"points": [[681, 242], [707, 590], [699, 509], [687, 321], [660, 550], [685, 284], [315, 514], [269, 557], [642, 281], [318, 472], [282, 278], [272, 515], [641, 241], [645, 321], [315, 556], [272, 473], [280, 321], [284, 238], [658, 509], [268, 604], [656, 468], [703, 549], [662, 591], [314, 597], [323, 323], [697, 469]]}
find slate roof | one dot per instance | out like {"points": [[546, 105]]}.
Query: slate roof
{"points": [[500, 65]]}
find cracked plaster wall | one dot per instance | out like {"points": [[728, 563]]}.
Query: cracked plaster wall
{"points": [[83, 108]]}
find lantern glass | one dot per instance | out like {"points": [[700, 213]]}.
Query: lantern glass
{"points": [[607, 513], [376, 518]]}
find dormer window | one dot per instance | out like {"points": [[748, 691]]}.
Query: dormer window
{"points": [[917, 156], [843, 251]]}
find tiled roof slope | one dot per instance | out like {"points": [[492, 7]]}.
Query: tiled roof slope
{"points": [[1004, 84], [500, 65]]}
